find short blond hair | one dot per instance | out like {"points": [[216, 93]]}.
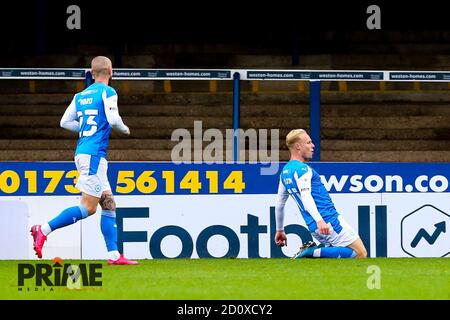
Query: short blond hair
{"points": [[293, 136], [100, 66]]}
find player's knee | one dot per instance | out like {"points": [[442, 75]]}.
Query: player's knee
{"points": [[361, 253], [107, 202], [91, 209]]}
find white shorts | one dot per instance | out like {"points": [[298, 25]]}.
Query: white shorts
{"points": [[342, 239], [93, 178]]}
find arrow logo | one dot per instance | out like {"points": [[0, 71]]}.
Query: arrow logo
{"points": [[440, 227]]}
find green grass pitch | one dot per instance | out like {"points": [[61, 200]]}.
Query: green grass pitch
{"points": [[249, 279]]}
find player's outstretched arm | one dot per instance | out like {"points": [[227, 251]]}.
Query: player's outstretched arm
{"points": [[69, 119], [282, 196], [112, 114]]}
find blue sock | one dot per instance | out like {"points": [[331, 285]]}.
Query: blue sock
{"points": [[68, 216], [109, 229], [336, 252]]}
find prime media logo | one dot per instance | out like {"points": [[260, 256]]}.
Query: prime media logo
{"points": [[48, 276]]}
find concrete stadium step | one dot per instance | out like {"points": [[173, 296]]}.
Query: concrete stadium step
{"points": [[59, 133], [173, 122], [332, 110], [33, 110], [165, 110], [385, 134], [167, 144], [19, 86], [369, 123], [67, 155], [128, 87], [165, 155], [434, 122], [136, 123], [166, 133], [70, 144], [176, 121], [386, 156], [384, 145], [181, 99], [29, 121], [113, 155], [328, 145], [247, 110], [414, 61], [262, 98], [30, 99], [377, 97], [391, 109]]}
